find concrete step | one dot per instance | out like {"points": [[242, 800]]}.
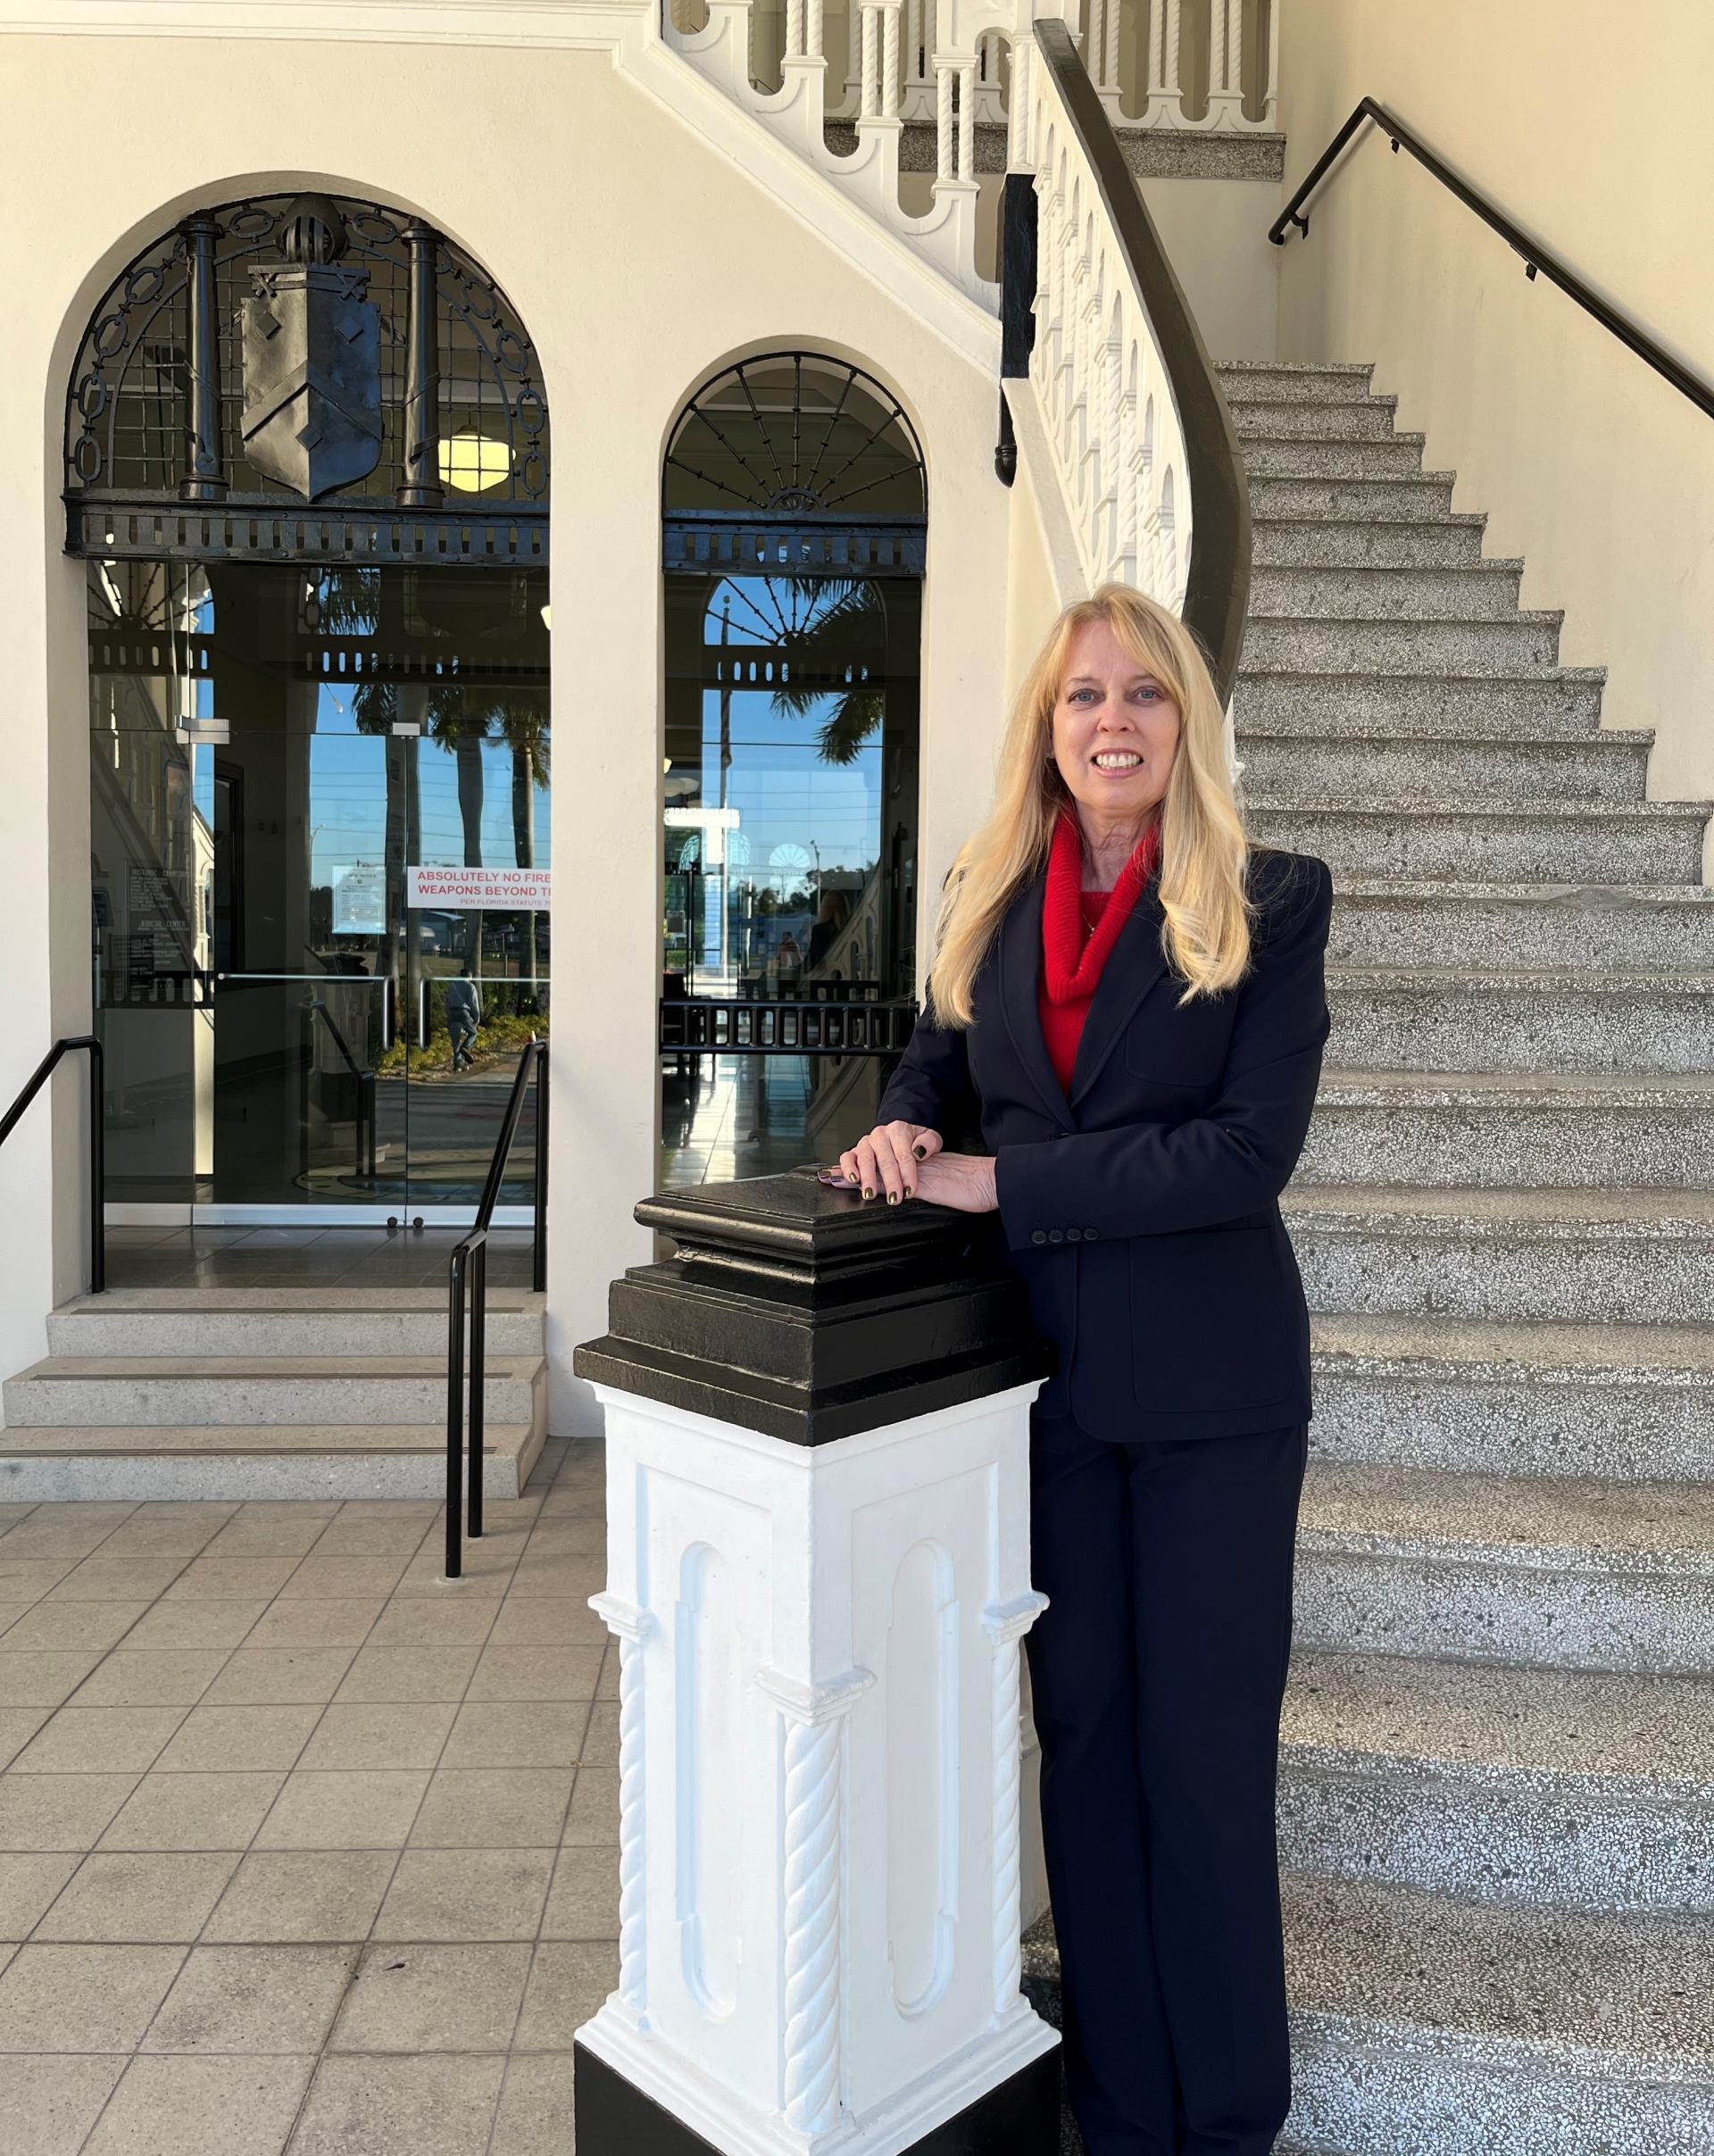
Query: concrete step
{"points": [[1486, 590], [1293, 764], [1410, 496], [1441, 1018], [1549, 841], [1506, 1130], [1295, 457], [1287, 542], [1424, 2025], [1550, 1571], [1590, 1257], [244, 1462], [1566, 1787], [190, 1322], [1504, 1395], [1402, 648], [1370, 419], [1533, 701], [257, 1391], [1313, 381], [1660, 927]]}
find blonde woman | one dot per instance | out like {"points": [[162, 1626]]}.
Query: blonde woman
{"points": [[1126, 1001]]}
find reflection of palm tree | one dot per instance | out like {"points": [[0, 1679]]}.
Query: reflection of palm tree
{"points": [[818, 650]]}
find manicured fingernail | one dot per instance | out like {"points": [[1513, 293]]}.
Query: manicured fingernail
{"points": [[891, 1197], [921, 1152], [867, 1193], [909, 1192]]}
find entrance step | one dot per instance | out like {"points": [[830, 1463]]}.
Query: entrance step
{"points": [[1441, 1018], [1531, 699], [1636, 842], [1571, 1787], [266, 1392], [1293, 764], [261, 1321], [1298, 542], [248, 1391], [242, 1461]]}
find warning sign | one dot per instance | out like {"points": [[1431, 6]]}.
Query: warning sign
{"points": [[479, 890]]}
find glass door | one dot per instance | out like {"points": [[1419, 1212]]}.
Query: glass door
{"points": [[320, 888]]}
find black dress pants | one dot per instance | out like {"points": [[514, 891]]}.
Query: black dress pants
{"points": [[1157, 1675]]}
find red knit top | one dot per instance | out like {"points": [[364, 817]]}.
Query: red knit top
{"points": [[1078, 929]]}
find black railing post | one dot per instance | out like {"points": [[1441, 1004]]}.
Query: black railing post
{"points": [[455, 1420], [97, 1168], [538, 1274], [478, 1383]]}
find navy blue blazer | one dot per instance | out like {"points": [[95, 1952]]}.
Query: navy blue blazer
{"points": [[1141, 1208]]}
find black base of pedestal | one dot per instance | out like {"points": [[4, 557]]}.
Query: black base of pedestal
{"points": [[1019, 2116]]}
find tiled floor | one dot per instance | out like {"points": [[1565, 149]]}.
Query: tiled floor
{"points": [[301, 1849]]}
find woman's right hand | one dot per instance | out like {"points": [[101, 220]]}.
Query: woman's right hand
{"points": [[888, 1159]]}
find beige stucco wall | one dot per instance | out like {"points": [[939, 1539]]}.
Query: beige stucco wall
{"points": [[641, 261], [1215, 234], [1589, 464]]}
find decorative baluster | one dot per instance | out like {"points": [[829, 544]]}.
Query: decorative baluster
{"points": [[794, 29], [1226, 64], [632, 1627], [943, 159], [966, 121], [1166, 102], [1005, 1628], [1110, 547], [870, 104], [811, 1957], [890, 60]]}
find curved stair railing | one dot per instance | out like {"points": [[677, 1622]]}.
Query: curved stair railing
{"points": [[1148, 460], [1149, 474]]}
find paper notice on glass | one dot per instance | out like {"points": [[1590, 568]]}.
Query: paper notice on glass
{"points": [[479, 890]]}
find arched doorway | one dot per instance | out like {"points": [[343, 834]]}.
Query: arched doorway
{"points": [[795, 515], [307, 465]]}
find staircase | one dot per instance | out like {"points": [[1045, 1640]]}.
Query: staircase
{"points": [[1497, 1776], [276, 1393]]}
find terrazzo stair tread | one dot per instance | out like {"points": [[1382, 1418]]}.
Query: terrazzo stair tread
{"points": [[1444, 1018], [246, 1462], [1296, 456], [1554, 926], [1356, 419], [1534, 1129], [257, 1389], [1300, 378], [1585, 1789], [1601, 1728], [1452, 540], [1482, 591], [1451, 646], [1412, 495], [1500, 700], [97, 1441], [1537, 1524], [1543, 1350], [1628, 1995], [1478, 767], [180, 1324], [1632, 841]]}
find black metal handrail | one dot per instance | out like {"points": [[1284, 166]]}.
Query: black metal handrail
{"points": [[468, 1287], [97, 1141], [1217, 592], [1535, 256]]}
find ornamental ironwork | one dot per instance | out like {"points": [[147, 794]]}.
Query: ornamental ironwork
{"points": [[794, 464], [307, 377]]}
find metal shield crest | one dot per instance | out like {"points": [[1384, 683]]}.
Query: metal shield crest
{"points": [[311, 375]]}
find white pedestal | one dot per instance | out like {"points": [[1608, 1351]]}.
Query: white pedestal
{"points": [[819, 1819]]}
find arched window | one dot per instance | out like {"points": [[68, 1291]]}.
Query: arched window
{"points": [[306, 378]]}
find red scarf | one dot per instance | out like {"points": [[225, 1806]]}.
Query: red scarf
{"points": [[1079, 927]]}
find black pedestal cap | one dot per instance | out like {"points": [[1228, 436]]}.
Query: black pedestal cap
{"points": [[810, 1313]]}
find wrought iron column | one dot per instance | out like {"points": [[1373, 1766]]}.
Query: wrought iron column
{"points": [[423, 488], [204, 480]]}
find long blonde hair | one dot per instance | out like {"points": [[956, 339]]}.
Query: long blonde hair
{"points": [[1204, 850]]}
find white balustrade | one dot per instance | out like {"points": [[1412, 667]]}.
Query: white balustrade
{"points": [[1106, 401]]}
